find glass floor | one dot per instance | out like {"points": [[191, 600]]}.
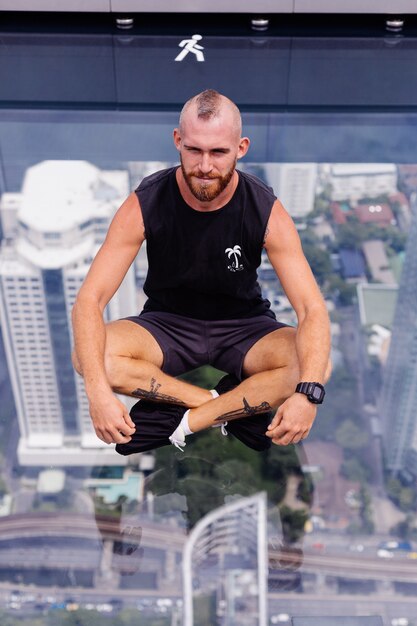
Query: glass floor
{"points": [[217, 534]]}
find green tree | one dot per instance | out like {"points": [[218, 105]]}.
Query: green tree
{"points": [[365, 510], [394, 487], [353, 469], [341, 404], [343, 291], [405, 497], [7, 620], [213, 467], [405, 529], [293, 523], [210, 468], [350, 235], [238, 477], [321, 205], [305, 489], [319, 261], [350, 436], [81, 617]]}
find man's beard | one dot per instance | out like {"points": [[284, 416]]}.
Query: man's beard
{"points": [[208, 190]]}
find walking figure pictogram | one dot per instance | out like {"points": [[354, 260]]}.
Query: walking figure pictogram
{"points": [[191, 45]]}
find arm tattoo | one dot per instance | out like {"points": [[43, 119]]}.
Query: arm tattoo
{"points": [[154, 394], [246, 411], [266, 234]]}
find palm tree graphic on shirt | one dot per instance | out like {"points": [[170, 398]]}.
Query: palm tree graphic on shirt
{"points": [[236, 253]]}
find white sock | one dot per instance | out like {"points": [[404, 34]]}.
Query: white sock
{"points": [[214, 393], [184, 423]]}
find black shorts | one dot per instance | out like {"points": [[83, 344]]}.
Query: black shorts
{"points": [[188, 343]]}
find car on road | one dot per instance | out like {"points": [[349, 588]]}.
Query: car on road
{"points": [[405, 546], [385, 554], [280, 618]]}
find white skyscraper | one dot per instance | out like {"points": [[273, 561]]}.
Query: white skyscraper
{"points": [[227, 552], [52, 232], [294, 184]]}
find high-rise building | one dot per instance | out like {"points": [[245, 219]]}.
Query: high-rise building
{"points": [[294, 184], [398, 402], [51, 233], [227, 552], [353, 181]]}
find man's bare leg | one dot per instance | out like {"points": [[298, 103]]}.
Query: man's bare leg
{"points": [[133, 361], [134, 358], [273, 373]]}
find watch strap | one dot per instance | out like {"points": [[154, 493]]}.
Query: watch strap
{"points": [[308, 389], [303, 388]]}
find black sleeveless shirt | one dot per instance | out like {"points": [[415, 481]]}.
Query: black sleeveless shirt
{"points": [[203, 264]]}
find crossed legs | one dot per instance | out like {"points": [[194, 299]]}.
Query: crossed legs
{"points": [[133, 361]]}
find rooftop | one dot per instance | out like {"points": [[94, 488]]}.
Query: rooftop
{"points": [[361, 169], [377, 304], [59, 195], [376, 213]]}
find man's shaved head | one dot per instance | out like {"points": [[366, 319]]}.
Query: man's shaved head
{"points": [[209, 105], [210, 143]]}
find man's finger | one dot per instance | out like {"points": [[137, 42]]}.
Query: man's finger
{"points": [[277, 431], [118, 434], [275, 420], [104, 436], [280, 436], [285, 437], [129, 421], [297, 437], [115, 434], [120, 437]]}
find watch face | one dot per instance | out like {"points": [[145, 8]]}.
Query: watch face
{"points": [[317, 393]]}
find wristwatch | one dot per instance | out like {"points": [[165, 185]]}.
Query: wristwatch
{"points": [[314, 391]]}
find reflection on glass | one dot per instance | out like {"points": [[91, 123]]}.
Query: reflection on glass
{"points": [[324, 528]]}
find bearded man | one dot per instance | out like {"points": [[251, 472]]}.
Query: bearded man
{"points": [[205, 224]]}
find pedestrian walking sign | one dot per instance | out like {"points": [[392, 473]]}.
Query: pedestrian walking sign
{"points": [[191, 46]]}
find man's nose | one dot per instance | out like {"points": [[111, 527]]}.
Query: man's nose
{"points": [[205, 163]]}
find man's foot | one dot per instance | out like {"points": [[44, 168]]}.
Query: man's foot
{"points": [[249, 430], [155, 424]]}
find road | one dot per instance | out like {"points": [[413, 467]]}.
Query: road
{"points": [[348, 605]]}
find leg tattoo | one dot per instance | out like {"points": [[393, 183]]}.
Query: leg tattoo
{"points": [[246, 411], [154, 394]]}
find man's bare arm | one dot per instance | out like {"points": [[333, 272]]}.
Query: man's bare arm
{"points": [[123, 241], [284, 250]]}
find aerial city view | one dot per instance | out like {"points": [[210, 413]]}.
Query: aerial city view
{"points": [[217, 534]]}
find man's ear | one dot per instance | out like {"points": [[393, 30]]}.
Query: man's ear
{"points": [[244, 144], [177, 138]]}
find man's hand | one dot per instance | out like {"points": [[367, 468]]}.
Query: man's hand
{"points": [[293, 420], [111, 419]]}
